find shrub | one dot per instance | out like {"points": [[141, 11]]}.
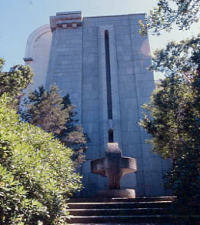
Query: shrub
{"points": [[36, 172]]}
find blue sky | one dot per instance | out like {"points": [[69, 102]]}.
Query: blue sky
{"points": [[18, 18]]}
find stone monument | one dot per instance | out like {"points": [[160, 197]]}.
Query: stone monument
{"points": [[102, 62], [114, 166]]}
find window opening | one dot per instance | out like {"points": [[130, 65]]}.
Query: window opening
{"points": [[110, 136], [108, 76]]}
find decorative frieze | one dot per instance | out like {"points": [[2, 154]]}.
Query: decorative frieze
{"points": [[66, 20]]}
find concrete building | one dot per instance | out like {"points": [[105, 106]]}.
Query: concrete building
{"points": [[102, 63]]}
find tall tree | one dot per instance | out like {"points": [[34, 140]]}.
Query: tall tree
{"points": [[174, 126], [173, 114], [45, 109], [72, 135], [51, 112]]}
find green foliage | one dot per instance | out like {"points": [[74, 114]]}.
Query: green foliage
{"points": [[173, 114], [180, 58], [72, 135], [173, 120], [164, 107], [182, 13], [14, 81], [45, 109], [1, 63], [36, 173], [51, 112]]}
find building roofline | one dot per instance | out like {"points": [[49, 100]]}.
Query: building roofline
{"points": [[132, 14]]}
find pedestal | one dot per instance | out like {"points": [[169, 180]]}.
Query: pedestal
{"points": [[117, 193]]}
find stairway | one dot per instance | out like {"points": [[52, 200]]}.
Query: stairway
{"points": [[146, 211]]}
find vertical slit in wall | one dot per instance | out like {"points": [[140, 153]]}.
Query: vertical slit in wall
{"points": [[110, 136], [108, 76]]}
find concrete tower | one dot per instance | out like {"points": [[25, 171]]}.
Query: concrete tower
{"points": [[102, 63]]}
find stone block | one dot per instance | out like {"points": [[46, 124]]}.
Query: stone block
{"points": [[90, 113], [142, 66], [166, 165], [140, 188], [144, 90], [91, 93], [141, 101], [140, 160], [134, 18], [122, 57], [153, 183], [126, 89], [129, 181], [131, 150], [131, 125], [92, 152], [131, 137], [145, 77], [126, 68], [151, 164], [94, 137]]}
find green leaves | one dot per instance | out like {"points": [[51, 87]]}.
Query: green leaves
{"points": [[1, 63], [51, 112], [172, 12], [36, 172], [15, 81], [174, 126], [45, 109], [178, 58], [174, 109]]}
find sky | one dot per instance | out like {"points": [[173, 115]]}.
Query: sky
{"points": [[18, 18]]}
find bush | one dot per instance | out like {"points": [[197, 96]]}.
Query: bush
{"points": [[36, 172]]}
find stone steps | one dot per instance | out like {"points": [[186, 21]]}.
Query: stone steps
{"points": [[119, 205], [121, 219], [138, 199], [151, 211], [116, 212]]}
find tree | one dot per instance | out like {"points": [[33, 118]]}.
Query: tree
{"points": [[36, 173], [173, 114], [1, 63], [174, 126], [72, 135], [45, 109], [167, 13], [51, 112], [16, 80]]}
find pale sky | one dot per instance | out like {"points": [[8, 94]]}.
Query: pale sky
{"points": [[18, 18]]}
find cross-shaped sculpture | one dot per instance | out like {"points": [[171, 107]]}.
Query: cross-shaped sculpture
{"points": [[113, 166]]}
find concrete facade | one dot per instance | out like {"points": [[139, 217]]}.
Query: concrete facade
{"points": [[78, 63]]}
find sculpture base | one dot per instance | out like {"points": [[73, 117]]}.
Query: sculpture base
{"points": [[117, 193]]}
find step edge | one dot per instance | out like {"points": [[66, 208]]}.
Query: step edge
{"points": [[115, 203], [123, 209], [128, 216]]}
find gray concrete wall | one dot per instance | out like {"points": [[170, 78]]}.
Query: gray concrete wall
{"points": [[77, 65], [65, 64]]}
